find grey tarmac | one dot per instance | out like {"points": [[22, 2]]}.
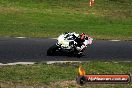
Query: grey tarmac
{"points": [[34, 50]]}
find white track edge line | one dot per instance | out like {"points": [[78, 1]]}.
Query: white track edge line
{"points": [[20, 37], [52, 62], [115, 40]]}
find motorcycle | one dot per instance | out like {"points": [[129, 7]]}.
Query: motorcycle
{"points": [[66, 45]]}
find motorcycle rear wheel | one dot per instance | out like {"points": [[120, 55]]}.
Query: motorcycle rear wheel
{"points": [[51, 51]]}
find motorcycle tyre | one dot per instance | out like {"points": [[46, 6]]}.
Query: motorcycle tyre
{"points": [[52, 50]]}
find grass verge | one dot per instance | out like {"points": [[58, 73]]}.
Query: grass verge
{"points": [[109, 19], [60, 75]]}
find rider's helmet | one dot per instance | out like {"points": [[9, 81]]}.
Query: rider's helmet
{"points": [[82, 36]]}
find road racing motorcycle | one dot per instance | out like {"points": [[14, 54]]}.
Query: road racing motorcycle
{"points": [[67, 45]]}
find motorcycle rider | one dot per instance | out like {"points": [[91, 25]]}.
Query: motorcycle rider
{"points": [[82, 41]]}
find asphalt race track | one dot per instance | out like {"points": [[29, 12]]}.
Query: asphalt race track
{"points": [[34, 50]]}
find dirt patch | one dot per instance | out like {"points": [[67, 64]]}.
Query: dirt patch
{"points": [[65, 84], [58, 84]]}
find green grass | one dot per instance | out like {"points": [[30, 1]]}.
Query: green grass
{"points": [[43, 74], [107, 19]]}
